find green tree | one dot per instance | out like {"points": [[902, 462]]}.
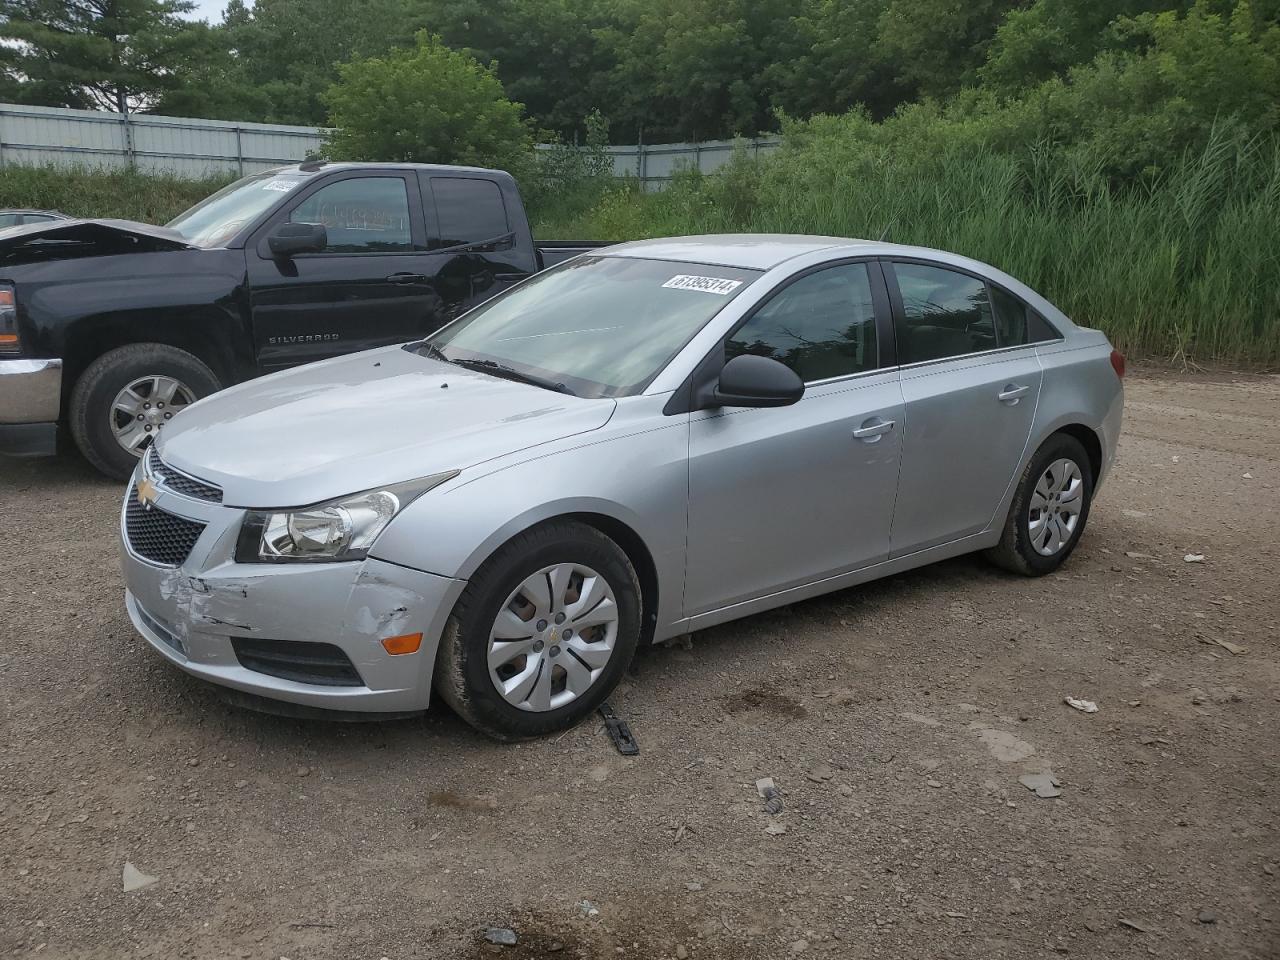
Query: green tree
{"points": [[108, 54], [837, 64], [285, 53], [426, 104], [546, 52], [937, 46]]}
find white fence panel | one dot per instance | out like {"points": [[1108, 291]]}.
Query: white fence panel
{"points": [[187, 147], [178, 146]]}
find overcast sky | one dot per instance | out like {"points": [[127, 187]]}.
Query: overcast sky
{"points": [[210, 10]]}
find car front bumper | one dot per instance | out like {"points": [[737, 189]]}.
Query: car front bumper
{"points": [[30, 395], [194, 614]]}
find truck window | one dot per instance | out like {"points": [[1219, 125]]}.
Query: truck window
{"points": [[361, 215], [467, 210]]}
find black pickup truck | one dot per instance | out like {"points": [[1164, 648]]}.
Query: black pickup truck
{"points": [[111, 327]]}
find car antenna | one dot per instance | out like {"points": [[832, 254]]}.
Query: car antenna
{"points": [[311, 166]]}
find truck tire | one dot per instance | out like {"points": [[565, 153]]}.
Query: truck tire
{"points": [[124, 398]]}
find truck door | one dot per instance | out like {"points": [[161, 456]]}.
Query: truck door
{"points": [[486, 247], [371, 286]]}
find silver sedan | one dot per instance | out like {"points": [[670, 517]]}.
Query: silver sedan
{"points": [[637, 444]]}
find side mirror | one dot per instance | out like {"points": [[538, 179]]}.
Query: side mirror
{"points": [[751, 381], [289, 239]]}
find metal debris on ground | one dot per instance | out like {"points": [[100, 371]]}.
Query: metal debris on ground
{"points": [[588, 909], [503, 936], [1044, 784], [619, 731], [1084, 706], [1194, 558], [771, 796]]}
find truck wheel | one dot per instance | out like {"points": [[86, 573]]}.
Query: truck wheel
{"points": [[124, 399]]}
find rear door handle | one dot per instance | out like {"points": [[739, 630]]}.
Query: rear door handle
{"points": [[406, 278], [872, 430], [1011, 393]]}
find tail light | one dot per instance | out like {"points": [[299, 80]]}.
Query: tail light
{"points": [[1117, 363], [8, 320]]}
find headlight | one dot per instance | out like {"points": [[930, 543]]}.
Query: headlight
{"points": [[342, 529]]}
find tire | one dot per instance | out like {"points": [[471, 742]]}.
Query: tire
{"points": [[462, 673], [1022, 549], [95, 394]]}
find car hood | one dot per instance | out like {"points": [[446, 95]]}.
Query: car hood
{"points": [[76, 239], [361, 421]]}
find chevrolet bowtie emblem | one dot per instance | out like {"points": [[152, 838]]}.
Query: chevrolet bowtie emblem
{"points": [[147, 492]]}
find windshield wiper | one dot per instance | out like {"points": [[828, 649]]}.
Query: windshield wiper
{"points": [[510, 373]]}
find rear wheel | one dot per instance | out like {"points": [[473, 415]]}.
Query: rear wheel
{"points": [[1049, 509], [542, 633], [126, 397]]}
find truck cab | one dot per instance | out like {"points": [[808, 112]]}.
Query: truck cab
{"points": [[113, 327]]}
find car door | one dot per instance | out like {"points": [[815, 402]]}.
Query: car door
{"points": [[971, 383], [369, 287], [780, 497]]}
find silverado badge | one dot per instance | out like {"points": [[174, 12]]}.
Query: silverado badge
{"points": [[147, 492]]}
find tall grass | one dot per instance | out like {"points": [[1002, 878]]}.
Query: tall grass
{"points": [[1183, 266], [91, 192]]}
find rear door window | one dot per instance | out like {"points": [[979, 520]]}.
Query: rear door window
{"points": [[945, 314], [468, 210]]}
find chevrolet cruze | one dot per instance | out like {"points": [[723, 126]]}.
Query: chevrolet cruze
{"points": [[639, 443]]}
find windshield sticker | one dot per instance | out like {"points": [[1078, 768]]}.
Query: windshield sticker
{"points": [[283, 186], [704, 284]]}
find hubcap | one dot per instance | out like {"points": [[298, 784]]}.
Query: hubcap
{"points": [[1055, 507], [140, 411], [553, 637]]}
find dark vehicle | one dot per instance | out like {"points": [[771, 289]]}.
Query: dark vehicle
{"points": [[16, 218], [112, 327]]}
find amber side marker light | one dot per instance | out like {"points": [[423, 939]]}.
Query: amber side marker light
{"points": [[407, 643]]}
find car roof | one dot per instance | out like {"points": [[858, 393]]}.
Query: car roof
{"points": [[764, 251], [329, 166]]}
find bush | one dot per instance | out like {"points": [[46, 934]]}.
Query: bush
{"points": [[425, 104]]}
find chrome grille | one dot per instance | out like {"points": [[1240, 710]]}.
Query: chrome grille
{"points": [[173, 479], [158, 536]]}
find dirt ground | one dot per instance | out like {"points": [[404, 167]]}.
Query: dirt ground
{"points": [[896, 717]]}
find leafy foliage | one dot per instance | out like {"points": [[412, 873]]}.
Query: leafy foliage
{"points": [[425, 104]]}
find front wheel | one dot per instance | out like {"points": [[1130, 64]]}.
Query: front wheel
{"points": [[542, 633], [1049, 511], [127, 396]]}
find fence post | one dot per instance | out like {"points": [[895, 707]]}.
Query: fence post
{"points": [[697, 155], [239, 154], [130, 160], [1, 139]]}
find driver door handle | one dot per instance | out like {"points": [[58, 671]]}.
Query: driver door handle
{"points": [[1012, 392], [871, 430], [406, 278]]}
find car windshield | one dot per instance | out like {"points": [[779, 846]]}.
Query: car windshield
{"points": [[216, 219], [594, 326]]}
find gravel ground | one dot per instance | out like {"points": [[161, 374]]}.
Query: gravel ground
{"points": [[896, 717]]}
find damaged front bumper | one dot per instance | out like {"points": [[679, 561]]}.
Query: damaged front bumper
{"points": [[307, 633]]}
